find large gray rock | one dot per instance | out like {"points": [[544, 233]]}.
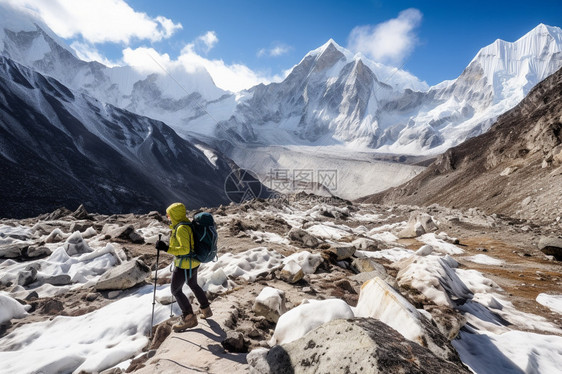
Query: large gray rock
{"points": [[418, 224], [11, 250], [270, 304], [126, 232], [551, 246], [123, 276], [291, 272], [75, 245], [303, 237], [58, 280], [361, 345], [27, 276], [366, 265], [81, 213], [343, 252]]}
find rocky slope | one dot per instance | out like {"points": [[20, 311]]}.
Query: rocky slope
{"points": [[514, 169], [297, 283], [62, 147]]}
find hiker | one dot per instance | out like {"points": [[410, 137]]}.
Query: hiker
{"points": [[181, 244]]}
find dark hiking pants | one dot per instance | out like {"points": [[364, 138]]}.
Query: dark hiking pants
{"points": [[178, 279]]}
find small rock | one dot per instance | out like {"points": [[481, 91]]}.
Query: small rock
{"points": [[551, 246], [270, 304], [32, 296], [113, 294], [75, 245], [52, 307], [81, 213], [27, 276], [123, 276], [291, 272], [58, 280], [424, 250], [303, 237], [91, 296], [508, 171], [234, 342], [35, 252], [343, 252], [161, 333]]}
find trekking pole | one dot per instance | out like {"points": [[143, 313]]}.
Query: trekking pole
{"points": [[154, 294]]}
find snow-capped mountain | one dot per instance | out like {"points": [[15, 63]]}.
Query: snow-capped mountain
{"points": [[170, 93], [334, 97], [63, 147], [331, 97]]}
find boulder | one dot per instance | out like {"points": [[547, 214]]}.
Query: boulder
{"points": [[304, 238], [52, 307], [58, 280], [380, 301], [75, 245], [418, 224], [309, 262], [270, 303], [36, 252], [424, 250], [367, 265], [551, 246], [361, 345], [55, 236], [126, 232], [235, 342], [80, 226], [59, 213], [11, 250], [27, 276], [81, 213], [298, 321], [343, 252], [291, 272], [365, 244], [123, 276]]}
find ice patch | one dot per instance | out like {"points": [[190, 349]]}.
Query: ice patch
{"points": [[10, 308], [440, 245], [310, 314], [392, 254], [553, 302], [91, 342], [485, 260]]}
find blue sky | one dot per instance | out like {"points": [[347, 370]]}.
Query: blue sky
{"points": [[253, 41]]}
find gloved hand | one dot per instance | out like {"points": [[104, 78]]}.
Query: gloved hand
{"points": [[161, 246]]}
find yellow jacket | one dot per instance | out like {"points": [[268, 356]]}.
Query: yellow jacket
{"points": [[181, 238]]}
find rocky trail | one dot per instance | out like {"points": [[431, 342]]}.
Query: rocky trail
{"points": [[295, 283]]}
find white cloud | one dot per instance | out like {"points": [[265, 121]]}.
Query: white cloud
{"points": [[88, 52], [275, 51], [100, 21], [146, 59], [232, 77], [388, 42]]}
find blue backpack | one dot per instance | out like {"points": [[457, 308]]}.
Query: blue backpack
{"points": [[205, 238]]}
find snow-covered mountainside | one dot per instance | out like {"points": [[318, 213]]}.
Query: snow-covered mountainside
{"points": [[61, 147], [514, 169], [330, 97], [169, 94], [333, 97]]}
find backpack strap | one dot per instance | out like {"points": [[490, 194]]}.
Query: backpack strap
{"points": [[191, 253]]}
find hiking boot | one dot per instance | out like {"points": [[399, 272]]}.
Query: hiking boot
{"points": [[205, 313], [185, 322]]}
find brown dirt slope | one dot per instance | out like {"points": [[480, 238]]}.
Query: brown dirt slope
{"points": [[514, 169]]}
